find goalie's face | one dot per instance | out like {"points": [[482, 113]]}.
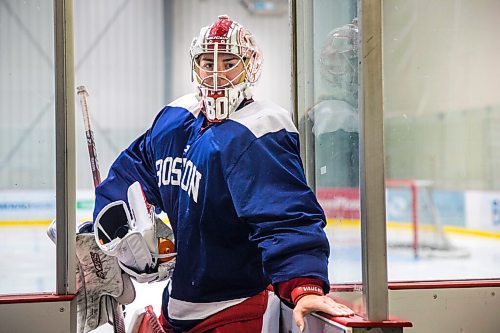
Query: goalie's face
{"points": [[220, 70]]}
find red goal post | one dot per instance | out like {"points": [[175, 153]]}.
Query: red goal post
{"points": [[412, 185]]}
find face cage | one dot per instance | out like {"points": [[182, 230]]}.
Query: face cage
{"points": [[247, 55], [216, 75], [219, 101]]}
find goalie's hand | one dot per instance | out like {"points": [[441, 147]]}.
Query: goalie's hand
{"points": [[142, 243], [136, 250], [314, 303]]}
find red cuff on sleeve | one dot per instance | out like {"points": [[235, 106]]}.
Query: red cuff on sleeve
{"points": [[286, 288], [308, 289]]}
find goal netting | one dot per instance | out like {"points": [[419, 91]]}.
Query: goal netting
{"points": [[424, 234]]}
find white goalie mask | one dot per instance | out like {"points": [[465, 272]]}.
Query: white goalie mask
{"points": [[225, 62]]}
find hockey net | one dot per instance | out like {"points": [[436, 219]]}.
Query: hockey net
{"points": [[424, 235]]}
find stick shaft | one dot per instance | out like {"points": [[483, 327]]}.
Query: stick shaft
{"points": [[94, 166]]}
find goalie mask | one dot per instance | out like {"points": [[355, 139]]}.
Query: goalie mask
{"points": [[225, 62], [339, 62]]}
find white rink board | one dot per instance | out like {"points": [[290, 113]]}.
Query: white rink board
{"points": [[482, 210], [40, 205]]}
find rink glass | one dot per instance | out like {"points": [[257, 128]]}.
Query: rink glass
{"points": [[27, 146], [441, 125]]}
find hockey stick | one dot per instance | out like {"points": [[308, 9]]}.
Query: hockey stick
{"points": [[82, 92], [118, 320]]}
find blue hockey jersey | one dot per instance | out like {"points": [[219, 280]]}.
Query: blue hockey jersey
{"points": [[235, 193]]}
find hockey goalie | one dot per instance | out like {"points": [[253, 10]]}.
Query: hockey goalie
{"points": [[226, 169]]}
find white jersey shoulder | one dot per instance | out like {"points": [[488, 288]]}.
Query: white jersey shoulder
{"points": [[264, 117], [189, 102]]}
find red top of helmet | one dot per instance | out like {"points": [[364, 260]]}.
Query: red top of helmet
{"points": [[220, 29]]}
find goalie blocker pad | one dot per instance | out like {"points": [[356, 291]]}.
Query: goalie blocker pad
{"points": [[100, 282], [116, 236], [101, 286]]}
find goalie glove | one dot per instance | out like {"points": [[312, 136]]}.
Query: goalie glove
{"points": [[137, 238], [101, 285]]}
